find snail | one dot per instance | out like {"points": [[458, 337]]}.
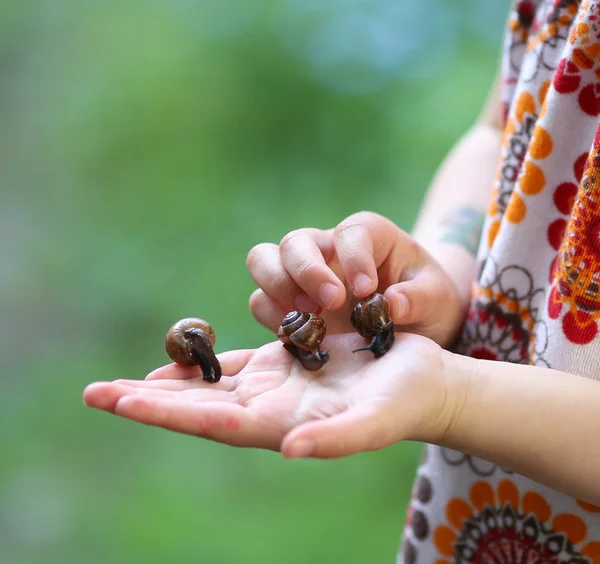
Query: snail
{"points": [[371, 318], [190, 341], [301, 334]]}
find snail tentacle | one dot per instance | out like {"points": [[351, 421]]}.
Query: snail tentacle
{"points": [[381, 342]]}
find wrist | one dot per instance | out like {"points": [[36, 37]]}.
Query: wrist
{"points": [[459, 373], [444, 396]]}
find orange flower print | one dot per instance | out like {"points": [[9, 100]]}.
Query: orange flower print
{"points": [[504, 526], [504, 321], [498, 327], [559, 20], [521, 19], [524, 142], [580, 72], [577, 281], [550, 35]]}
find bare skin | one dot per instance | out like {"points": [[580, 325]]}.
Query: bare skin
{"points": [[418, 390], [426, 277], [267, 400], [365, 253]]}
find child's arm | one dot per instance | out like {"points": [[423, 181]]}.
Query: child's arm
{"points": [[539, 422]]}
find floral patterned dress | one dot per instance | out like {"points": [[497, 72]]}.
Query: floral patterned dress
{"points": [[537, 298]]}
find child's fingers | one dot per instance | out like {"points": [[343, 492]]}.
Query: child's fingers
{"points": [[304, 254], [364, 243], [227, 423], [266, 310], [105, 395], [354, 248], [195, 386], [421, 299], [265, 268]]}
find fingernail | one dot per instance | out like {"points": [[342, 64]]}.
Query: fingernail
{"points": [[305, 303], [301, 448], [328, 294], [402, 305], [361, 283]]}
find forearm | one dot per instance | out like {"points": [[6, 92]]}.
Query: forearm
{"points": [[539, 422]]}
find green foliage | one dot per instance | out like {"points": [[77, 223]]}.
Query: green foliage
{"points": [[144, 149]]}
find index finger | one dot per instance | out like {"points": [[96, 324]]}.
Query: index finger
{"points": [[304, 254], [364, 243]]}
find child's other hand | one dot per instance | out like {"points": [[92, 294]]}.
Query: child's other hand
{"points": [[332, 269], [267, 400]]}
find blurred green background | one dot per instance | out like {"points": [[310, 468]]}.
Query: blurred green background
{"points": [[145, 147]]}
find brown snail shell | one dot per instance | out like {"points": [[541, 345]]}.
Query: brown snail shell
{"points": [[190, 341], [302, 334], [372, 319]]}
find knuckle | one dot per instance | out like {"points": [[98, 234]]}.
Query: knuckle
{"points": [[280, 285], [288, 239], [255, 300], [355, 257], [350, 223], [365, 218], [254, 254], [369, 216], [307, 271], [360, 220]]}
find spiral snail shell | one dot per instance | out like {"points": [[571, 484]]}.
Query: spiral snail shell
{"points": [[301, 334], [372, 319], [190, 341]]}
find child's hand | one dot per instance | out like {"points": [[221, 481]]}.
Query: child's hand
{"points": [[364, 253], [354, 403]]}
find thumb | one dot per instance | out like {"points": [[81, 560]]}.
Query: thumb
{"points": [[353, 431], [422, 298]]}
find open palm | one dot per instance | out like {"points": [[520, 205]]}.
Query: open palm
{"points": [[267, 400]]}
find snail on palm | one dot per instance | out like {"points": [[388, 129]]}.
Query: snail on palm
{"points": [[190, 342], [372, 319], [301, 334]]}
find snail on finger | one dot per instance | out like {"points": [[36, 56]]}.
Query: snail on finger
{"points": [[301, 334], [190, 342], [372, 319]]}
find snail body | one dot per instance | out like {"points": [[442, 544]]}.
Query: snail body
{"points": [[190, 342], [372, 319], [301, 334]]}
